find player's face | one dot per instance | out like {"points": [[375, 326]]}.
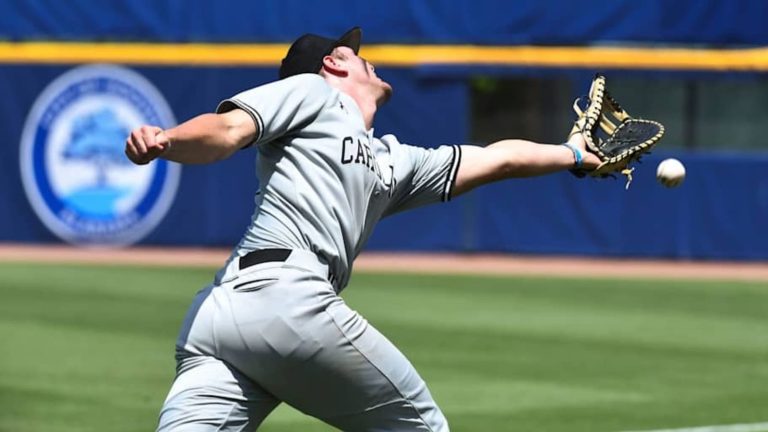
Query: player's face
{"points": [[363, 72]]}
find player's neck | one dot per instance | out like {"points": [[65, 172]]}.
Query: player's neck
{"points": [[366, 102], [367, 105], [368, 108]]}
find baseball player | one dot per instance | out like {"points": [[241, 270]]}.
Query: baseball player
{"points": [[271, 327]]}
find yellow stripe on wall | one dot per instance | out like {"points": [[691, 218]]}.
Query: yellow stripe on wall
{"points": [[141, 53], [579, 57], [748, 59]]}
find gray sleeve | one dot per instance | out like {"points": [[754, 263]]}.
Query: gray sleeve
{"points": [[424, 176], [282, 106]]}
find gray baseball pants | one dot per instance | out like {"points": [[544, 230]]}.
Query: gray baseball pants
{"points": [[278, 332]]}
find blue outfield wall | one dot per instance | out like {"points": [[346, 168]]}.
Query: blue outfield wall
{"points": [[720, 212], [485, 22]]}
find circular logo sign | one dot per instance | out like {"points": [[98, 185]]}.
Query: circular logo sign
{"points": [[74, 169]]}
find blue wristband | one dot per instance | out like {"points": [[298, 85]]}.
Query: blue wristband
{"points": [[579, 160]]}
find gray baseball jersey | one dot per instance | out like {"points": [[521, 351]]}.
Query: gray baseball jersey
{"points": [[325, 179], [278, 331]]}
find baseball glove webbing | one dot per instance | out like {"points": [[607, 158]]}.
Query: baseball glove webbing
{"points": [[616, 137]]}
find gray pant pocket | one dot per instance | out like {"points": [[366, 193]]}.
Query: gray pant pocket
{"points": [[254, 285]]}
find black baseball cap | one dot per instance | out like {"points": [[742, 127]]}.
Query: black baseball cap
{"points": [[306, 54]]}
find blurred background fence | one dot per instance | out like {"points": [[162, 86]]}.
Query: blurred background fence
{"points": [[463, 72]]}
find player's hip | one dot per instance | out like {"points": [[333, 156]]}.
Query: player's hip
{"points": [[267, 308]]}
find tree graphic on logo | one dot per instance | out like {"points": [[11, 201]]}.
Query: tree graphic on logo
{"points": [[97, 138]]}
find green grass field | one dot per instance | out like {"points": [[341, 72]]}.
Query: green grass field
{"points": [[90, 348]]}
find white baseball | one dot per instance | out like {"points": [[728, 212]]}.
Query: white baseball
{"points": [[670, 173]]}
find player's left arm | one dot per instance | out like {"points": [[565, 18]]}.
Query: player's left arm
{"points": [[203, 139], [210, 137], [516, 158]]}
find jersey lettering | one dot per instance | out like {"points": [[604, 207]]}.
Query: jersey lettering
{"points": [[392, 185], [359, 152], [369, 159], [360, 159], [345, 144]]}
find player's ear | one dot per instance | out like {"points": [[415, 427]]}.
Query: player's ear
{"points": [[333, 66]]}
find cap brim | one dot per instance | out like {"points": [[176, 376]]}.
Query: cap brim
{"points": [[351, 39]]}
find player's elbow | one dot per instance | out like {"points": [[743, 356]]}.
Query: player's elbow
{"points": [[231, 139], [227, 147], [514, 165], [510, 162]]}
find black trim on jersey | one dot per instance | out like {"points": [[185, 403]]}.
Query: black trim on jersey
{"points": [[254, 115], [450, 179]]}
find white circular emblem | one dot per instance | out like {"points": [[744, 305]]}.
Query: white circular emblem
{"points": [[74, 169]]}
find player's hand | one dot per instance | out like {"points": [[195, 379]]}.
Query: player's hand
{"points": [[590, 160], [146, 144]]}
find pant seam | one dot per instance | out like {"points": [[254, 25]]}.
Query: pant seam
{"points": [[408, 400], [226, 418]]}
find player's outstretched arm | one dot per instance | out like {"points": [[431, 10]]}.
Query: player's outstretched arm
{"points": [[203, 139], [516, 158]]}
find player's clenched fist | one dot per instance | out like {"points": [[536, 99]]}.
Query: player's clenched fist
{"points": [[145, 144]]}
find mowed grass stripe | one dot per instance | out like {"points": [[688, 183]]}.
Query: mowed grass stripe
{"points": [[90, 348], [709, 315], [752, 427]]}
